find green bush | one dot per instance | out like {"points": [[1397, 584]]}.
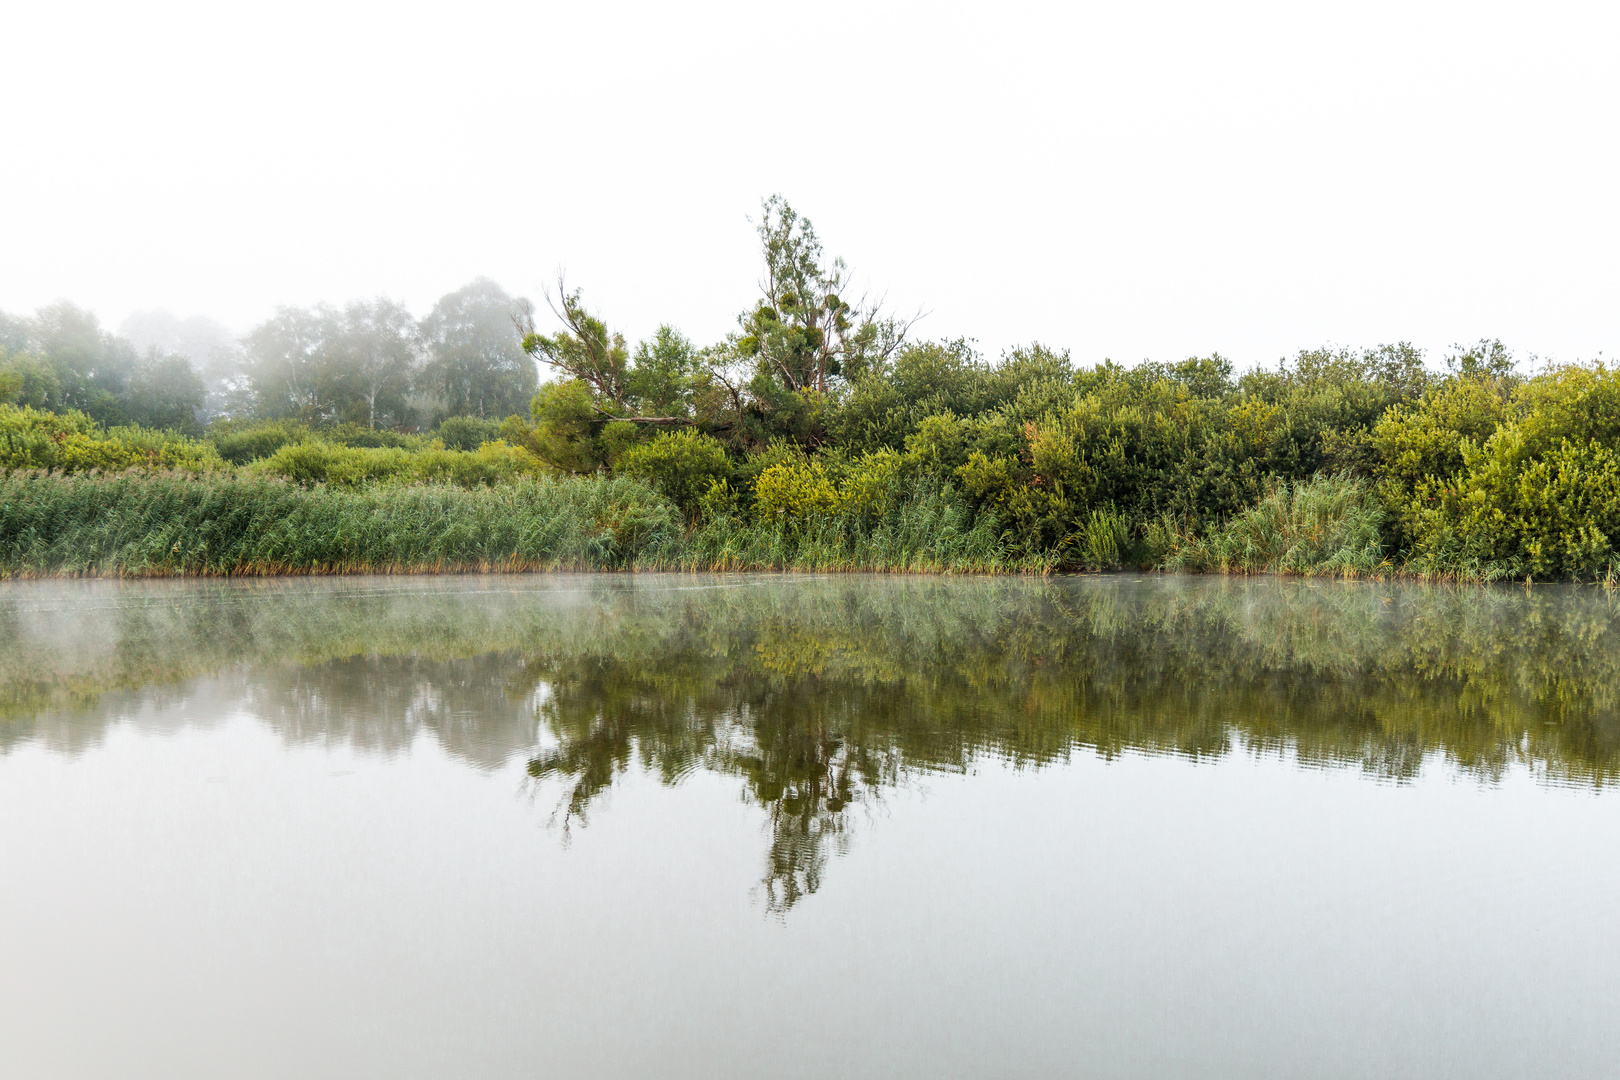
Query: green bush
{"points": [[467, 432], [683, 465], [1539, 497], [240, 444], [1421, 444], [358, 435], [72, 442]]}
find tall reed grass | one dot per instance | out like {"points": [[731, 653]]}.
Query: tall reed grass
{"points": [[160, 524], [930, 531], [1328, 526]]}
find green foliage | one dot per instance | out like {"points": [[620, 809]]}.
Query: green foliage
{"points": [[467, 432], [1538, 495], [585, 352], [567, 427], [242, 443], [132, 525], [684, 465], [1329, 525], [319, 462], [664, 374], [72, 442]]}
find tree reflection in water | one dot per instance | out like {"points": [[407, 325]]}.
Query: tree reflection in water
{"points": [[819, 694]]}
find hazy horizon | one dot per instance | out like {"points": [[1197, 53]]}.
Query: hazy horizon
{"points": [[1122, 183]]}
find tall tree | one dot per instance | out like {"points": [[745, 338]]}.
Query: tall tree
{"points": [[379, 349], [804, 331], [292, 361], [212, 348], [476, 358], [92, 366], [164, 392], [584, 349]]}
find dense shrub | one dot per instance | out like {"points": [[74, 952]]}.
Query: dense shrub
{"points": [[795, 492], [467, 432], [684, 465], [240, 444], [358, 435], [1539, 496], [72, 442]]}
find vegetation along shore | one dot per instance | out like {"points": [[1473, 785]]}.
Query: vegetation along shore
{"points": [[820, 436]]}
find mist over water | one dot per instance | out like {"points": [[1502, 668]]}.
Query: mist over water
{"points": [[685, 824]]}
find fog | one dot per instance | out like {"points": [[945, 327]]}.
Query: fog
{"points": [[1124, 181]]}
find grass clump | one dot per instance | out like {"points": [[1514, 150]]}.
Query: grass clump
{"points": [[1330, 526]]}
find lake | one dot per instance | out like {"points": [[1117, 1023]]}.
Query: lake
{"points": [[801, 826]]}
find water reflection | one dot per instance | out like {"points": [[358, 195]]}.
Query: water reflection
{"points": [[818, 694]]}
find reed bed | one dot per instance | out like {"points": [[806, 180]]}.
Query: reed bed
{"points": [[156, 525], [146, 525], [1329, 526]]}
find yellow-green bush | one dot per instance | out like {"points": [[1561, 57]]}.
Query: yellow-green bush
{"points": [[861, 491], [492, 463], [72, 442], [1421, 444], [1540, 496], [240, 443], [683, 465], [795, 491], [872, 483]]}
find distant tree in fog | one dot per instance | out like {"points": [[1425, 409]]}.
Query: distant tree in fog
{"points": [[62, 359], [13, 334], [475, 356], [164, 392], [323, 365], [380, 350], [292, 362], [370, 363], [92, 366], [211, 347]]}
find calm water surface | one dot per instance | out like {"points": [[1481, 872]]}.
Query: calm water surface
{"points": [[808, 827]]}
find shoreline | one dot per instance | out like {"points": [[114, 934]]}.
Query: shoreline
{"points": [[488, 569]]}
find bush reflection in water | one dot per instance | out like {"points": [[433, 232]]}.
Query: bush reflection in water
{"points": [[820, 693]]}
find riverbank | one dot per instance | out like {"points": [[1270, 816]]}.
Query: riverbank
{"points": [[143, 524]]}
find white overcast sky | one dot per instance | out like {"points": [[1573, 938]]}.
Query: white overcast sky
{"points": [[1127, 180]]}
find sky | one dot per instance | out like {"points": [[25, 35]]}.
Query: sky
{"points": [[1124, 180]]}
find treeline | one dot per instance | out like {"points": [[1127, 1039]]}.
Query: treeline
{"points": [[370, 364], [818, 433]]}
